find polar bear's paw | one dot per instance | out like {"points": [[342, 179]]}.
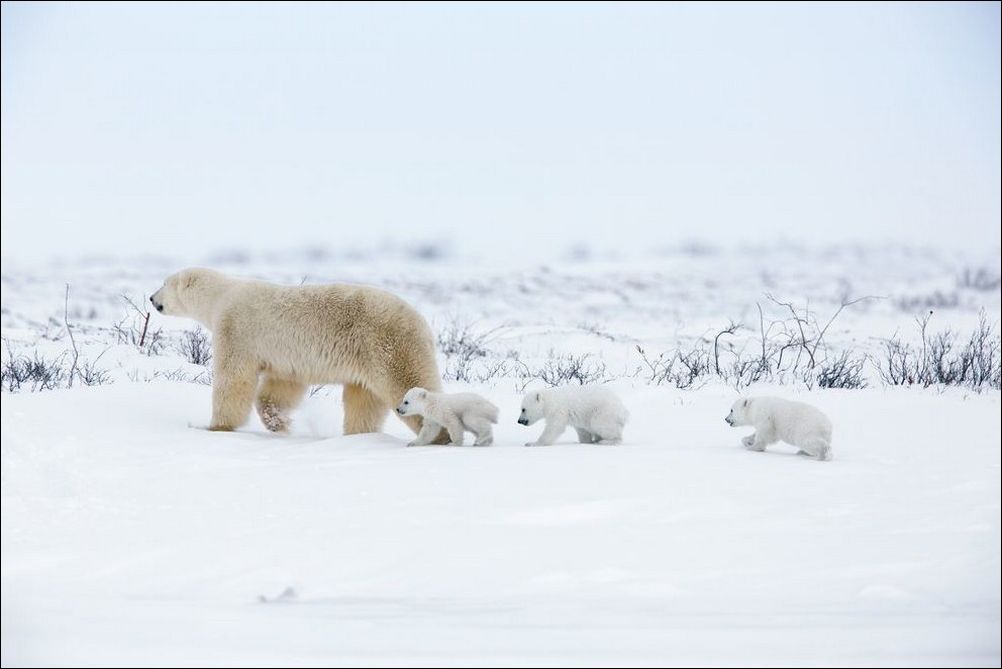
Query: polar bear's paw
{"points": [[273, 418]]}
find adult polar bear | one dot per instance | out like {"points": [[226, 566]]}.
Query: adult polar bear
{"points": [[272, 342]]}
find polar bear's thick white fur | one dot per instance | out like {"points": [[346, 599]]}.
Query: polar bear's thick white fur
{"points": [[595, 412], [776, 419], [456, 412], [271, 342]]}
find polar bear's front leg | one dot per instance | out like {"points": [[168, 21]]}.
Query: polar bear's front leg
{"points": [[429, 430], [585, 437], [233, 388], [759, 440], [555, 426]]}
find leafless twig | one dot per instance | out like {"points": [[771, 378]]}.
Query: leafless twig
{"points": [[73, 341], [729, 330]]}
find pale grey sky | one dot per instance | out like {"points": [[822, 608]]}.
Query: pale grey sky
{"points": [[158, 128]]}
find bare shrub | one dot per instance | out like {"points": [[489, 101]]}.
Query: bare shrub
{"points": [[90, 374], [489, 371], [180, 375], [804, 332], [465, 350], [937, 299], [743, 372], [944, 358], [196, 347], [459, 340], [691, 366], [657, 370], [562, 369], [680, 368], [595, 329], [840, 371], [134, 329], [32, 373], [984, 350], [731, 328], [793, 347], [981, 279], [898, 365], [558, 370]]}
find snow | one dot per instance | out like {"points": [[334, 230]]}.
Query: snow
{"points": [[131, 537]]}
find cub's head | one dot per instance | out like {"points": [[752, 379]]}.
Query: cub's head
{"points": [[413, 402], [532, 409], [739, 413], [180, 292]]}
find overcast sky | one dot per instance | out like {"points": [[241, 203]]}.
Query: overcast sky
{"points": [[158, 128]]}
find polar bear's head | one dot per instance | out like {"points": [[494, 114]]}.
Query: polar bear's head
{"points": [[413, 402], [532, 409], [187, 293], [739, 413]]}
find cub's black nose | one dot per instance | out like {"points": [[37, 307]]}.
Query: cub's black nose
{"points": [[160, 307]]}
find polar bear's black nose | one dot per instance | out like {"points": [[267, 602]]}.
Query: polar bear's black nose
{"points": [[160, 308]]}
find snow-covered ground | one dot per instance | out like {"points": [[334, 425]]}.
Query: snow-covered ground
{"points": [[130, 537]]}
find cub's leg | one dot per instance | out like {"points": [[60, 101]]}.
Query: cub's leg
{"points": [[427, 434], [482, 428]]}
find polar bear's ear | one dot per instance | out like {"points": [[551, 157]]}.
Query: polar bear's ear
{"points": [[744, 403], [423, 394], [190, 278], [539, 397]]}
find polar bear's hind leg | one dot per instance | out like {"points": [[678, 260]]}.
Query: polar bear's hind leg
{"points": [[276, 397], [363, 411], [818, 448], [482, 428]]}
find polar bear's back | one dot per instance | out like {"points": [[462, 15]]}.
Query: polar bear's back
{"points": [[327, 333], [471, 403], [794, 422], [585, 403]]}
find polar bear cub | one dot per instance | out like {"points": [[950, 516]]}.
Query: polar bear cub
{"points": [[456, 412], [776, 419], [595, 412]]}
